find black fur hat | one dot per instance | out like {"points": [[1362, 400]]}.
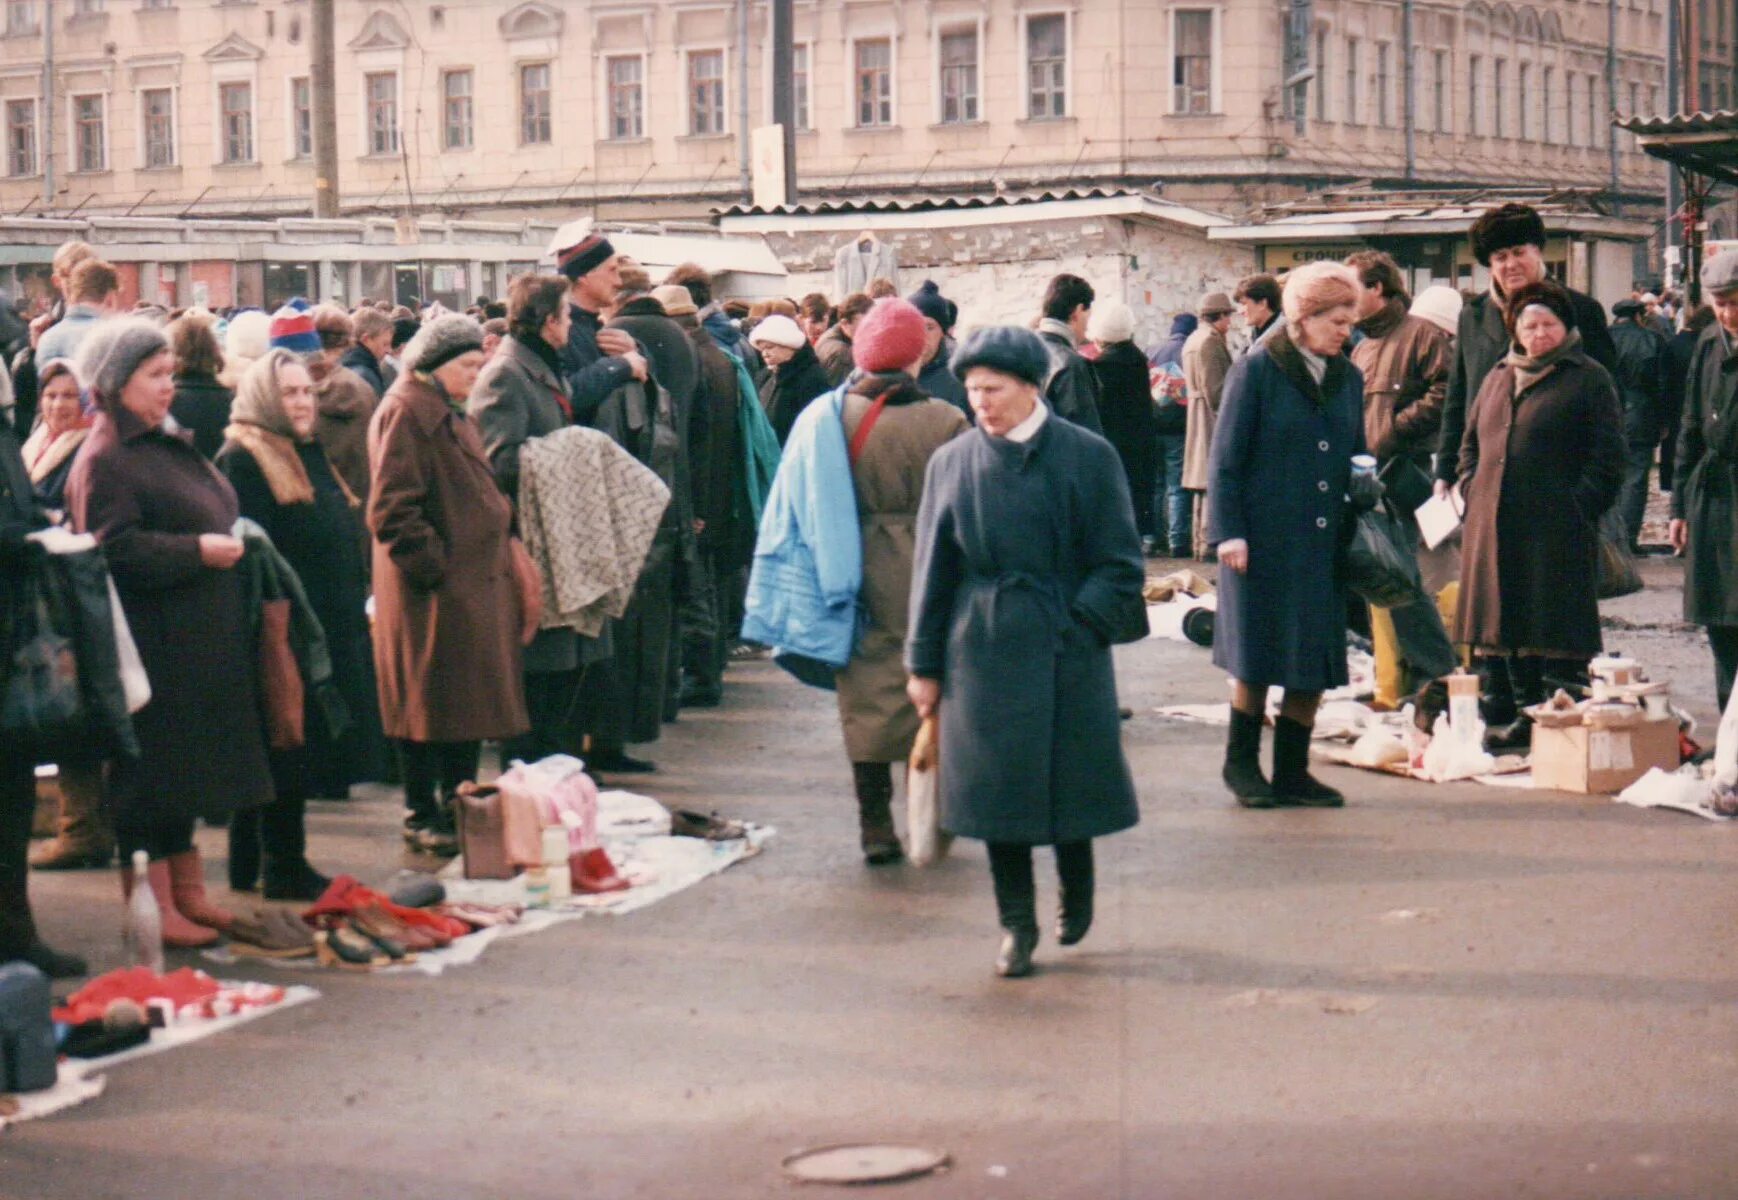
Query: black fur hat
{"points": [[1505, 226], [1548, 293]]}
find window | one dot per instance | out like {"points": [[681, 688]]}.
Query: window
{"points": [[1634, 99], [959, 76], [21, 17], [457, 97], [1547, 92], [1047, 66], [301, 118], [382, 92], [1351, 91], [1321, 79], [627, 98], [21, 137], [800, 86], [534, 126], [706, 92], [90, 149], [87, 8], [1440, 100], [1524, 94], [1574, 130], [1192, 61], [1500, 97], [158, 105], [156, 3], [874, 90], [1384, 117], [235, 108], [1474, 118], [1595, 127]]}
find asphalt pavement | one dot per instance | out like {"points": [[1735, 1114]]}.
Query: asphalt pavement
{"points": [[1440, 991]]}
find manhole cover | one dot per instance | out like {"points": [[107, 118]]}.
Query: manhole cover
{"points": [[862, 1163]]}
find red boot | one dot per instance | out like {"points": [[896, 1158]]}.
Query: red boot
{"points": [[593, 872], [178, 932], [187, 889]]}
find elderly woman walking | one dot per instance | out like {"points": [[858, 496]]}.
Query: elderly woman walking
{"points": [[164, 517], [892, 429], [1027, 570], [1541, 461], [285, 483], [447, 614], [1289, 424]]}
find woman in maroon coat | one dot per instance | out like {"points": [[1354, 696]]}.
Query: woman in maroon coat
{"points": [[163, 515]]}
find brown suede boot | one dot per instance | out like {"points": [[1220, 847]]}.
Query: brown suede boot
{"points": [[178, 932], [84, 839], [187, 891]]}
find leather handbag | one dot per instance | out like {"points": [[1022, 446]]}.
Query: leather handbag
{"points": [[482, 832], [282, 696]]}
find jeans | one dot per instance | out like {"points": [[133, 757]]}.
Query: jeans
{"points": [[1638, 456], [1170, 501]]}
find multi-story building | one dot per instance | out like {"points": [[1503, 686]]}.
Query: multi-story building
{"points": [[640, 107]]}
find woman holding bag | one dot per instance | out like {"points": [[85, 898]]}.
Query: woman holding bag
{"points": [[1027, 569], [163, 515]]}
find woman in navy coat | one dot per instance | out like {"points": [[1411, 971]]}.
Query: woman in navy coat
{"points": [[1289, 424]]}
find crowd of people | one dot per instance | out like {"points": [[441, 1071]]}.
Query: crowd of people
{"points": [[553, 521]]}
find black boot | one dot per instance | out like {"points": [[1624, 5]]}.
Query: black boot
{"points": [[1016, 908], [875, 832], [284, 837], [244, 850], [1074, 868], [19, 941], [1292, 782], [1242, 773]]}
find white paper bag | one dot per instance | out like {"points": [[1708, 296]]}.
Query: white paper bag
{"points": [[1438, 518], [133, 679], [923, 800]]}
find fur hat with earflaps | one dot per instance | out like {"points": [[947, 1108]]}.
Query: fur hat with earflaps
{"points": [[1505, 226]]}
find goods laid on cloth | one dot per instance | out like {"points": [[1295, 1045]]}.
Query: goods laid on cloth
{"points": [[1181, 608], [1690, 789], [172, 1010], [659, 853]]}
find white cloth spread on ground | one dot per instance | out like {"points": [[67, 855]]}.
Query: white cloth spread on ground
{"points": [[588, 511]]}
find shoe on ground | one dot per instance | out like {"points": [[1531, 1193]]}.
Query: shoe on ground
{"points": [[294, 881], [702, 695], [1014, 958], [619, 763], [61, 855]]}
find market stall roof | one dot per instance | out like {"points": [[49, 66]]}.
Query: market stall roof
{"points": [[1361, 214], [1703, 142], [895, 212]]}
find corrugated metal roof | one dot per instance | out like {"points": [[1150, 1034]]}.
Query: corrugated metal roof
{"points": [[1722, 121], [1705, 143], [871, 205]]}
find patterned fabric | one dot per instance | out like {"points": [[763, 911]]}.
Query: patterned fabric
{"points": [[588, 511]]}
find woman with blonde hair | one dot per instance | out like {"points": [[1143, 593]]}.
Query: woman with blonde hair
{"points": [[1290, 422]]}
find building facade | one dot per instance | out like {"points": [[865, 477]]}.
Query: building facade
{"points": [[640, 109]]}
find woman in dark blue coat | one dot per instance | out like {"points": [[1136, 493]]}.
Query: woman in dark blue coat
{"points": [[1289, 424]]}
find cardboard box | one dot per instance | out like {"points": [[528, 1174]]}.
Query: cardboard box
{"points": [[1579, 758]]}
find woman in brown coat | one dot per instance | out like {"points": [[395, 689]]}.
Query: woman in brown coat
{"points": [[888, 459], [447, 623], [164, 515], [1541, 461]]}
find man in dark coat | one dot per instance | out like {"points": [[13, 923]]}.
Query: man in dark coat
{"points": [[1705, 502], [1510, 240], [833, 347], [1071, 388], [1641, 373], [372, 331], [937, 378], [598, 360], [1258, 299], [1680, 349]]}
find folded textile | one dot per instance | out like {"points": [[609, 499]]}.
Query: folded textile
{"points": [[588, 511]]}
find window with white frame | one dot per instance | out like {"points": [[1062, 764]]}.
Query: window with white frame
{"points": [[626, 77], [705, 92], [1350, 92], [534, 105], [1192, 61], [1047, 66], [21, 17], [1474, 96], [21, 137], [235, 121], [157, 112], [959, 76], [458, 109], [90, 133], [873, 71], [1320, 82], [1383, 86], [800, 86], [381, 90], [301, 118]]}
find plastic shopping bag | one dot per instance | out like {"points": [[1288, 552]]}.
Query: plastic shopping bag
{"points": [[1380, 567], [923, 798]]}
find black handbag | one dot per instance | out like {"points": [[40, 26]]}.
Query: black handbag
{"points": [[1378, 565], [1617, 571], [1405, 484]]}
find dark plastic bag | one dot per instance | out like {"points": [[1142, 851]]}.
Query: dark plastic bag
{"points": [[42, 703], [1617, 573], [1379, 566]]}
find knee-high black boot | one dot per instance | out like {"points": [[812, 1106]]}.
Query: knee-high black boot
{"points": [[875, 832], [1074, 868], [1292, 782], [284, 837], [244, 850], [1016, 907], [1242, 773]]}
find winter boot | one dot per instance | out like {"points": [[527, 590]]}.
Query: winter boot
{"points": [[1074, 868], [1016, 908], [875, 832], [1242, 773], [19, 941], [84, 838], [187, 891], [178, 932], [1292, 782], [244, 849], [284, 838]]}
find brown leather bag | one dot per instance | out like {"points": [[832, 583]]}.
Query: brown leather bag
{"points": [[483, 832], [282, 695], [528, 581]]}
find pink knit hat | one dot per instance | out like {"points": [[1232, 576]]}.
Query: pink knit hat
{"points": [[889, 337]]}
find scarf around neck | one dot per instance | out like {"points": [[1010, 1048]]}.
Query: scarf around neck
{"points": [[1531, 368]]}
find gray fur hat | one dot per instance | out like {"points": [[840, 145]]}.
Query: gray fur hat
{"points": [[440, 341], [113, 349], [1005, 348]]}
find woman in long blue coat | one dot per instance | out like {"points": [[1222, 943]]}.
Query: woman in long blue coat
{"points": [[1289, 424], [1027, 570]]}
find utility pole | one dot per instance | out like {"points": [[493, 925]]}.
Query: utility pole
{"points": [[322, 82], [742, 109], [1674, 86], [48, 104], [1611, 96], [784, 100]]}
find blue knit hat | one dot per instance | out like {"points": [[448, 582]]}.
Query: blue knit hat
{"points": [[1005, 348]]}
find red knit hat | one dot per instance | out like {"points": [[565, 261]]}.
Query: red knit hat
{"points": [[889, 337]]}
